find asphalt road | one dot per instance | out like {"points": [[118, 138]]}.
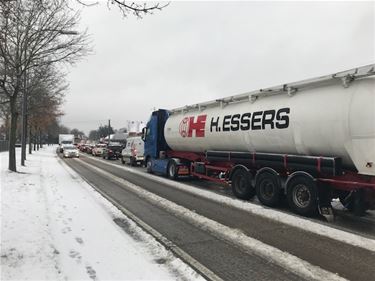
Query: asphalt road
{"points": [[344, 220], [224, 258]]}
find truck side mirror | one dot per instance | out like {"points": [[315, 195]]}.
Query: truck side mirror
{"points": [[144, 132]]}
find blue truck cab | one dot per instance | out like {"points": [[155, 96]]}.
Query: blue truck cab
{"points": [[155, 144]]}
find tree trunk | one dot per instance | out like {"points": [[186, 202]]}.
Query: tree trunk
{"points": [[7, 126], [12, 134], [30, 136], [40, 139], [24, 126], [35, 137]]}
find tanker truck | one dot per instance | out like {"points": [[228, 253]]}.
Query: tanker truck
{"points": [[309, 141]]}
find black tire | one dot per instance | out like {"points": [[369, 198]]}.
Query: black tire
{"points": [[302, 195], [268, 189], [172, 170], [241, 184], [122, 161], [149, 165]]}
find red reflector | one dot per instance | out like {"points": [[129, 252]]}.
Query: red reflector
{"points": [[183, 171]]}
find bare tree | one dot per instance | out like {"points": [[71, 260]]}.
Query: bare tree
{"points": [[45, 95], [138, 9], [34, 33]]}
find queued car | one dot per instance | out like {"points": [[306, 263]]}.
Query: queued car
{"points": [[82, 147], [89, 148], [133, 151], [112, 151], [70, 151], [98, 149]]}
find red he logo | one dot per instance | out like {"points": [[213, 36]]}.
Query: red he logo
{"points": [[187, 126]]}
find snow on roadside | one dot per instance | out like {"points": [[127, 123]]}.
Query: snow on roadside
{"points": [[54, 226]]}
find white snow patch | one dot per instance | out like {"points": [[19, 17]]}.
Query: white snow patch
{"points": [[54, 226]]}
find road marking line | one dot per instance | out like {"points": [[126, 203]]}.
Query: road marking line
{"points": [[294, 221], [290, 262]]}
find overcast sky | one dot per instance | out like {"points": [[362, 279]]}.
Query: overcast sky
{"points": [[197, 51]]}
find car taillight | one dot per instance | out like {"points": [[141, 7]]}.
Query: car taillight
{"points": [[110, 151]]}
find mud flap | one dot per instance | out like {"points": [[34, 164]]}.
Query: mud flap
{"points": [[327, 213]]}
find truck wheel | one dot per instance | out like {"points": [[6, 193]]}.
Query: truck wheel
{"points": [[172, 170], [302, 195], [149, 165], [268, 189], [241, 184], [122, 161]]}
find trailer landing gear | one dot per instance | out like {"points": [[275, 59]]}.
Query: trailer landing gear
{"points": [[354, 201]]}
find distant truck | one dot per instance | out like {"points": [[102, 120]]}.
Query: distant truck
{"points": [[310, 141], [65, 139]]}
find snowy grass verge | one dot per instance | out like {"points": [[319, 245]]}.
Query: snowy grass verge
{"points": [[55, 227]]}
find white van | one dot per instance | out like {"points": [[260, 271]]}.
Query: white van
{"points": [[133, 151]]}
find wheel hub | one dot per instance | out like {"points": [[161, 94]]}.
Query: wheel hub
{"points": [[301, 196], [242, 184], [267, 189], [172, 170]]}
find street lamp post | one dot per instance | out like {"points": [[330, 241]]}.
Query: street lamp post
{"points": [[24, 120]]}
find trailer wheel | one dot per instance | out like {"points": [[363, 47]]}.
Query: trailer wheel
{"points": [[149, 165], [172, 170], [268, 189], [302, 195], [241, 184]]}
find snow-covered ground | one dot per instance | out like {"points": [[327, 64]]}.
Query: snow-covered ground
{"points": [[54, 226]]}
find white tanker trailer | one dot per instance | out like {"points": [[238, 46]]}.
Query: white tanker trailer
{"points": [[313, 140]]}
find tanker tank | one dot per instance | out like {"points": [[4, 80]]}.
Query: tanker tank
{"points": [[326, 117]]}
